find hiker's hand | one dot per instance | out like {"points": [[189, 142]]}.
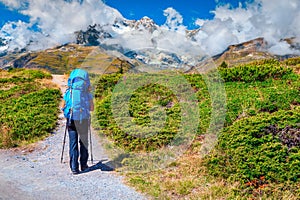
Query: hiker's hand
{"points": [[63, 105]]}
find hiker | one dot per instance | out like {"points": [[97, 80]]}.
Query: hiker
{"points": [[77, 104]]}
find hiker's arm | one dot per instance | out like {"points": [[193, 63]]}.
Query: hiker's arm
{"points": [[63, 104]]}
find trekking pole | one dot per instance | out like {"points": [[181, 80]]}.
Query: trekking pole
{"points": [[64, 142], [91, 140]]}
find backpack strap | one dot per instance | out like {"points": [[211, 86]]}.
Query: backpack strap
{"points": [[72, 102]]}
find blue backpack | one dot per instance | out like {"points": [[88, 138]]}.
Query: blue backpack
{"points": [[77, 96]]}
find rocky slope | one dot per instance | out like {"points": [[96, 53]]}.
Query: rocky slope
{"points": [[252, 50], [244, 52]]}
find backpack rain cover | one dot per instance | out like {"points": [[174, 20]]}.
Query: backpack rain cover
{"points": [[77, 97]]}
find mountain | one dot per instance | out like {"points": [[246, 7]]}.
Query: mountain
{"points": [[92, 36], [3, 46], [2, 42], [96, 33], [110, 38], [244, 52], [145, 23], [190, 34], [293, 42], [256, 49], [79, 1], [158, 60], [63, 58]]}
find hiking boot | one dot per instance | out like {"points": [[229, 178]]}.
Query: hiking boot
{"points": [[84, 167], [75, 172]]}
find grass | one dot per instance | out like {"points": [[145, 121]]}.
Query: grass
{"points": [[187, 180]]}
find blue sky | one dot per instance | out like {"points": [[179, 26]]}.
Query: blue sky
{"points": [[136, 9], [8, 15], [189, 9]]}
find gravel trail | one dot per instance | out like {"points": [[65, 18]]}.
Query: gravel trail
{"points": [[35, 172]]}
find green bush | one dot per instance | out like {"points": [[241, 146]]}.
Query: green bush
{"points": [[29, 74], [141, 102], [28, 112], [248, 151], [292, 61], [243, 100], [250, 73]]}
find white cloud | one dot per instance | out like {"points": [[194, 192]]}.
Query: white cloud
{"points": [[14, 4], [58, 20], [133, 40], [282, 48], [20, 31], [174, 20], [273, 20], [200, 22]]}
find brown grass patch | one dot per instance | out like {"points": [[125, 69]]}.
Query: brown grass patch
{"points": [[5, 74], [187, 178], [5, 136], [7, 86], [47, 83], [297, 69]]}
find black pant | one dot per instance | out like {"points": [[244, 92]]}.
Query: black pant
{"points": [[78, 130]]}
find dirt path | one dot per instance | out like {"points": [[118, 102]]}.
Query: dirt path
{"points": [[35, 172]]}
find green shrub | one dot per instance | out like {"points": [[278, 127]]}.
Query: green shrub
{"points": [[28, 112], [292, 61], [248, 151], [29, 73], [250, 73], [243, 100], [141, 102], [30, 116]]}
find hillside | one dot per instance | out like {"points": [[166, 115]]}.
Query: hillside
{"points": [[244, 52], [252, 50], [64, 58]]}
